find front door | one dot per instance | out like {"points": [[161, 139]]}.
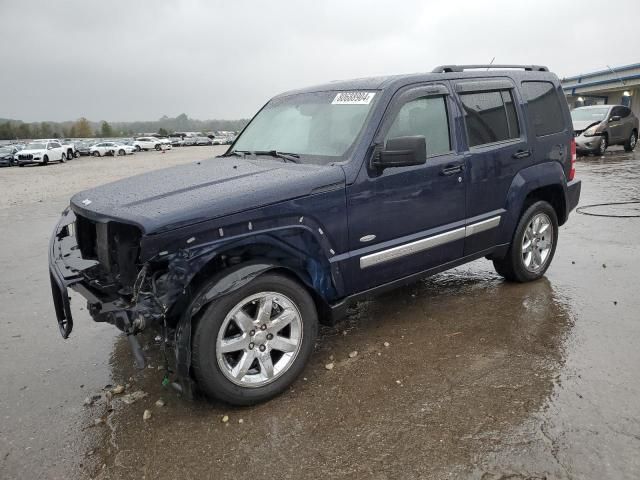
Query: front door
{"points": [[405, 220]]}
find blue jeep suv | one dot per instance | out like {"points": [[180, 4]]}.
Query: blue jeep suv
{"points": [[330, 194]]}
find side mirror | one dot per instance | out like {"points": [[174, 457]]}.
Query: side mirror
{"points": [[49, 147], [402, 152], [615, 118]]}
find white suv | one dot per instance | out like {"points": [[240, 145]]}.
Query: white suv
{"points": [[44, 151], [150, 143]]}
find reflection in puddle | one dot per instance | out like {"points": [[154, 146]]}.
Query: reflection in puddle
{"points": [[469, 356]]}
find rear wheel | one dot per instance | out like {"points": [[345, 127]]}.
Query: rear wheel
{"points": [[251, 345], [121, 152], [631, 142], [138, 148], [45, 160], [63, 159], [603, 144], [158, 147], [533, 245], [96, 153]]}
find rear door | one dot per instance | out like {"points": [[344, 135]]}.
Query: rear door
{"points": [[496, 149]]}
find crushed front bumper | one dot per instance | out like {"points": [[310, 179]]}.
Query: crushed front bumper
{"points": [[65, 267]]}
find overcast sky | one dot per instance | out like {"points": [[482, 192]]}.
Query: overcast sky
{"points": [[134, 60]]}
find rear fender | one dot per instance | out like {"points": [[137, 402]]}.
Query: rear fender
{"points": [[526, 181]]}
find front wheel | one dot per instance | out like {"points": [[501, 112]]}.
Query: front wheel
{"points": [[138, 148], [96, 153], [602, 146], [631, 142], [63, 159], [250, 345], [45, 160], [158, 147], [533, 245]]}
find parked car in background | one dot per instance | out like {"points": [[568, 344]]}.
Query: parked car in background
{"points": [[203, 141], [84, 146], [147, 143], [7, 154], [111, 148], [412, 175], [219, 140], [67, 146], [42, 152], [177, 142], [598, 126], [190, 141]]}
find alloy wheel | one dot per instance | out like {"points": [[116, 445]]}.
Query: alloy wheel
{"points": [[259, 339], [537, 242]]}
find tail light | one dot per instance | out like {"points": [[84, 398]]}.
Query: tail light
{"points": [[572, 172]]}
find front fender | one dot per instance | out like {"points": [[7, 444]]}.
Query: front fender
{"points": [[526, 181]]}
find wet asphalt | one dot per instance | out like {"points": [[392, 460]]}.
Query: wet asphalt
{"points": [[457, 376]]}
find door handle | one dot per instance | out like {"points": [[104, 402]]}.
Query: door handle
{"points": [[451, 169], [522, 154]]}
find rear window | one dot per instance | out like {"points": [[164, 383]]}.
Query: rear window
{"points": [[489, 117], [545, 112]]}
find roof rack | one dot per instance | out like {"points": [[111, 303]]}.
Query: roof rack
{"points": [[462, 68]]}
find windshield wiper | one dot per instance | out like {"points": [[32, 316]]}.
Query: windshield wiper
{"points": [[238, 153], [287, 157]]}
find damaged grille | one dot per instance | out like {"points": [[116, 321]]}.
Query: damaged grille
{"points": [[114, 245]]}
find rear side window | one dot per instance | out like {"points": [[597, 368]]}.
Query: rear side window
{"points": [[426, 116], [545, 112], [489, 117]]}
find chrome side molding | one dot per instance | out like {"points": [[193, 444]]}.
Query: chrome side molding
{"points": [[427, 243]]}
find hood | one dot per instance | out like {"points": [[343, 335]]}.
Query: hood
{"points": [[584, 124], [178, 196], [32, 152]]}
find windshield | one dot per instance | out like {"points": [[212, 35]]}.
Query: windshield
{"points": [[35, 146], [589, 114], [320, 127]]}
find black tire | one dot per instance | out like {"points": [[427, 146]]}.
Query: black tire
{"points": [[121, 152], [96, 153], [158, 147], [45, 160], [63, 158], [76, 154], [603, 145], [206, 369], [512, 266], [631, 142], [138, 148]]}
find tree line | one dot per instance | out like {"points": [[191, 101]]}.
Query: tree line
{"points": [[83, 128]]}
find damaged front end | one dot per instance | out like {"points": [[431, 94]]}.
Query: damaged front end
{"points": [[165, 292]]}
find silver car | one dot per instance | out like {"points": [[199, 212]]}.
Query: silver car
{"points": [[599, 126]]}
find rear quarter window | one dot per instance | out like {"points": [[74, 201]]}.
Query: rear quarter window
{"points": [[544, 108]]}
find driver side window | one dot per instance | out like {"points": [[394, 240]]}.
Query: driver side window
{"points": [[426, 116]]}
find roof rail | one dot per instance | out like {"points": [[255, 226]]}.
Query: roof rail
{"points": [[462, 68]]}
